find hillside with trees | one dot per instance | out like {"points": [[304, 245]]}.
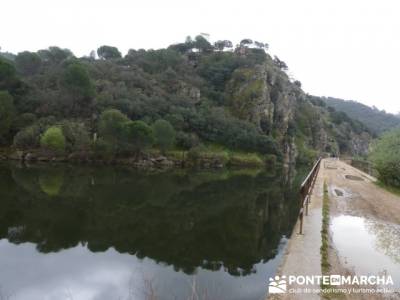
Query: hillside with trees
{"points": [[191, 102], [385, 157], [378, 121]]}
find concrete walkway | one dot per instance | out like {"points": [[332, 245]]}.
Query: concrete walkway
{"points": [[302, 255], [352, 193]]}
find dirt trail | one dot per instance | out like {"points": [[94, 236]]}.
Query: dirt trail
{"points": [[355, 200], [361, 196], [364, 226]]}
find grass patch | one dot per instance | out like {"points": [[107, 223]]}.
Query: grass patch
{"points": [[245, 159], [176, 154], [210, 152], [389, 188], [325, 266]]}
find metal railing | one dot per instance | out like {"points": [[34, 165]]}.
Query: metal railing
{"points": [[305, 192]]}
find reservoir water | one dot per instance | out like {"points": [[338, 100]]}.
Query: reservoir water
{"points": [[84, 232]]}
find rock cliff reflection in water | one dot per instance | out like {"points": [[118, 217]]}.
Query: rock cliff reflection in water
{"points": [[72, 232]]}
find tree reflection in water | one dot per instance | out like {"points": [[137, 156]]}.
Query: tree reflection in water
{"points": [[230, 219]]}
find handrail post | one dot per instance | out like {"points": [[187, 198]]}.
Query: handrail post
{"points": [[307, 199], [306, 190], [301, 223]]}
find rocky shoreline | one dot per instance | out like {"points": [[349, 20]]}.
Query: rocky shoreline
{"points": [[144, 161]]}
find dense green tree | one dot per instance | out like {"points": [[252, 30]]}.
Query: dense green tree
{"points": [[110, 126], [27, 138], [186, 140], [55, 55], [7, 70], [28, 63], [77, 80], [164, 134], [222, 44], [297, 83], [385, 156], [76, 135], [280, 63], [7, 55], [218, 68], [202, 44], [53, 139], [8, 78], [7, 113], [78, 95], [108, 52], [138, 135], [261, 45], [246, 42], [156, 61], [181, 47]]}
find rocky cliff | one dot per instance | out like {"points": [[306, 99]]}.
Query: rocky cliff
{"points": [[265, 96]]}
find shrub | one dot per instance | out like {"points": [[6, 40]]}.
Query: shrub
{"points": [[137, 135], [103, 149], [6, 112], [53, 139], [27, 138], [111, 127], [194, 153], [186, 140], [385, 156], [201, 154], [77, 80], [110, 124], [76, 135], [245, 159], [164, 134]]}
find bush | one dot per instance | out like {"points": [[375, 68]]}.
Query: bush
{"points": [[202, 155], [194, 153], [27, 138], [385, 156], [6, 112], [103, 149], [111, 122], [137, 135], [216, 126], [53, 139], [77, 80], [111, 127], [186, 140], [245, 160], [164, 134], [76, 136]]}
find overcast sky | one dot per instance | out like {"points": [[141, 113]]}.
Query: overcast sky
{"points": [[348, 49]]}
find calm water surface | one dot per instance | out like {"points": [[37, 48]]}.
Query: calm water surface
{"points": [[375, 249], [74, 232]]}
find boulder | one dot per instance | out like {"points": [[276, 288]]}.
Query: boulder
{"points": [[30, 157]]}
